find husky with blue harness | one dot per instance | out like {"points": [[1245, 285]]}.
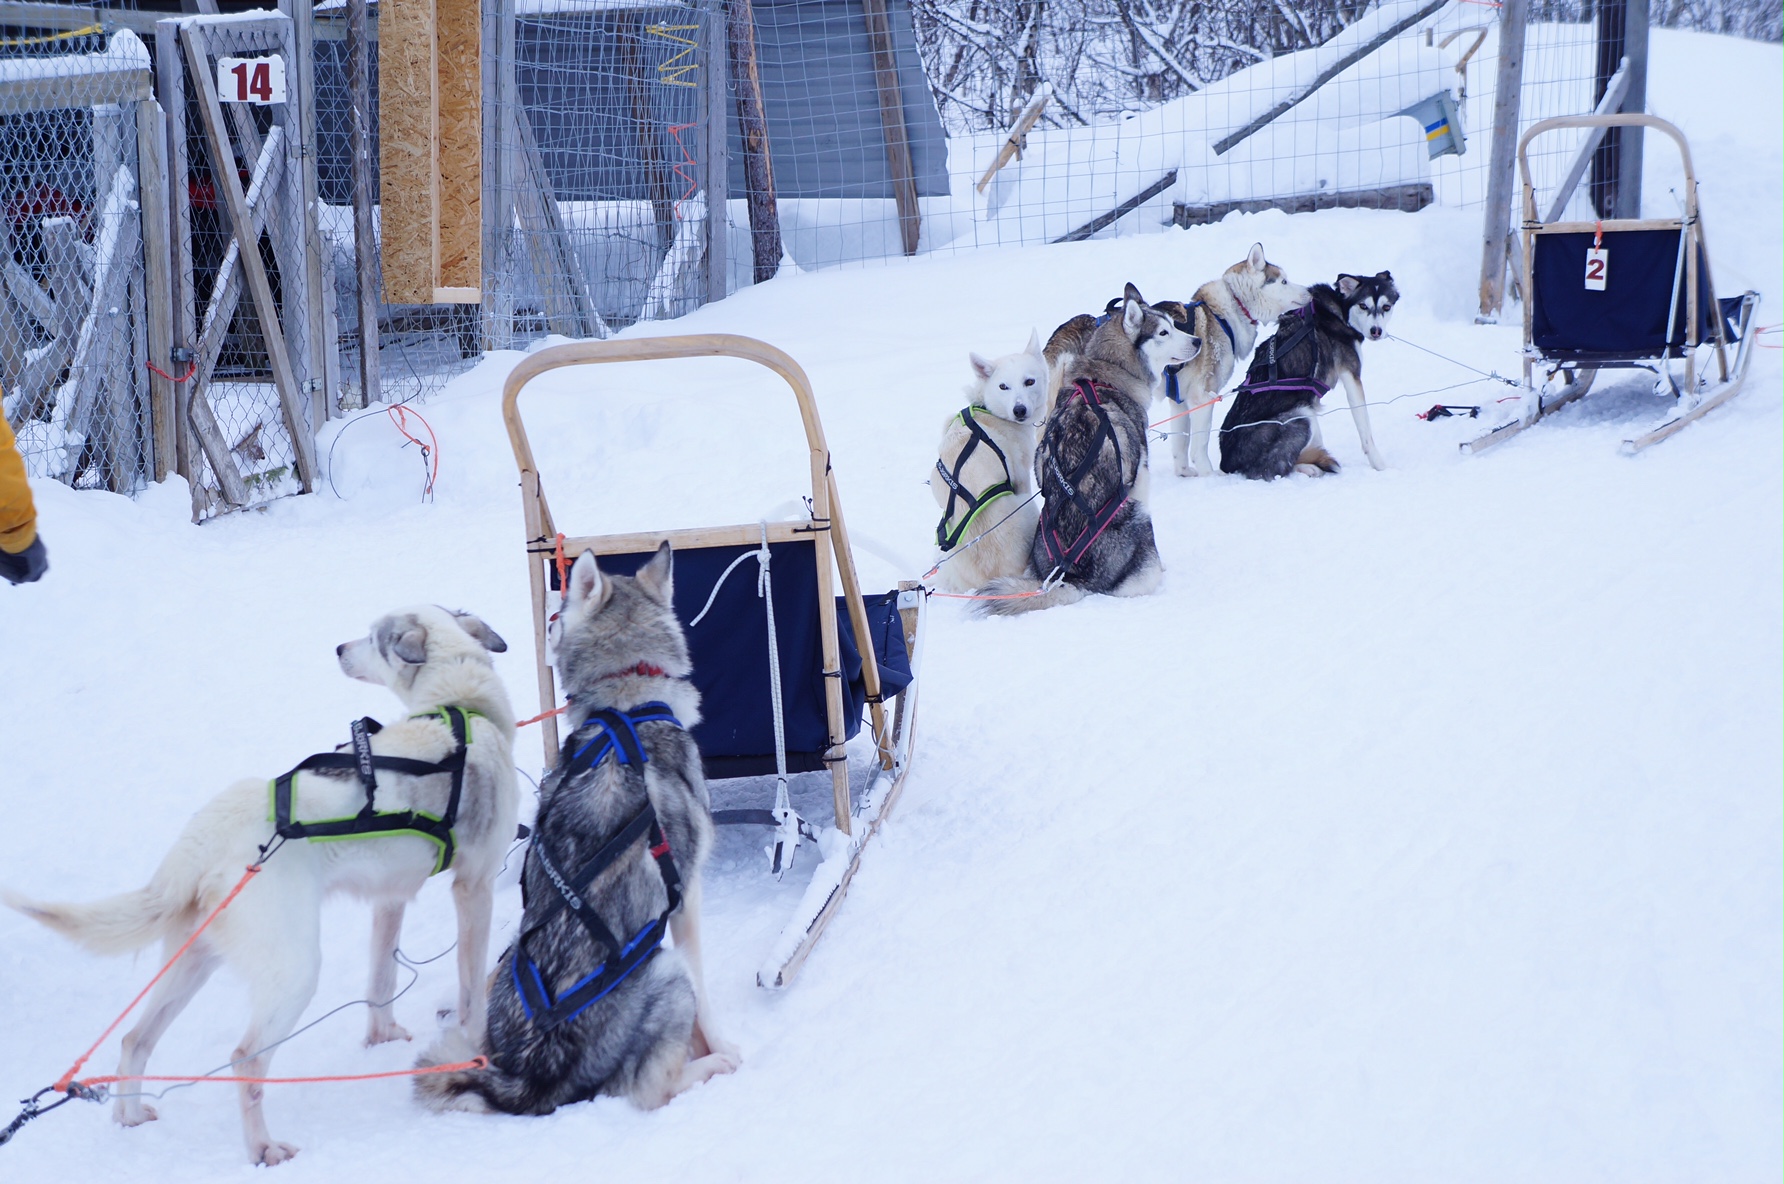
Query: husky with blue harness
{"points": [[589, 1001]]}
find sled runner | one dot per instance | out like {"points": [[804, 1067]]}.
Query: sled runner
{"points": [[784, 666], [1624, 293]]}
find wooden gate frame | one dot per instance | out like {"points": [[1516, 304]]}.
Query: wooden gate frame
{"points": [[279, 202], [826, 516]]}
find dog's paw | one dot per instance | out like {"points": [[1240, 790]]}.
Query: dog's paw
{"points": [[1185, 469], [727, 1051], [271, 1154], [384, 1033], [133, 1112]]}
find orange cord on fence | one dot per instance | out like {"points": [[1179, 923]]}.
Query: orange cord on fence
{"points": [[477, 1062], [430, 452], [675, 133], [191, 369], [63, 1082]]}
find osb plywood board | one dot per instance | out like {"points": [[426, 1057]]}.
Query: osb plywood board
{"points": [[460, 151], [408, 165]]}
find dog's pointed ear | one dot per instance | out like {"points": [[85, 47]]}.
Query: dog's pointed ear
{"points": [[981, 366], [1133, 310], [403, 638], [1348, 285], [1034, 343], [486, 637], [587, 585], [657, 577], [1386, 277], [1256, 260]]}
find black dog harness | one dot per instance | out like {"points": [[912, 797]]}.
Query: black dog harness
{"points": [[959, 495], [1063, 555], [616, 735], [1277, 346], [370, 821]]}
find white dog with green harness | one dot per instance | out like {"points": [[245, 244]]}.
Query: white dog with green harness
{"points": [[984, 479], [376, 817]]}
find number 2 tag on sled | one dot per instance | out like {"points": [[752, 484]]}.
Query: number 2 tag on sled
{"points": [[1597, 267]]}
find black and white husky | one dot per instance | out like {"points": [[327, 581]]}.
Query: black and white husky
{"points": [[1095, 534], [587, 1001], [1273, 427]]}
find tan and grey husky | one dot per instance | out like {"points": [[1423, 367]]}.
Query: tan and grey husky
{"points": [[435, 661], [1228, 314], [984, 478]]}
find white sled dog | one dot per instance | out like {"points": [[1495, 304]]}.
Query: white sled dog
{"points": [[1228, 314], [437, 662], [986, 471]]}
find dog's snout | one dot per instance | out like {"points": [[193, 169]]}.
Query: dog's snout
{"points": [[1020, 411], [340, 649], [1374, 332]]}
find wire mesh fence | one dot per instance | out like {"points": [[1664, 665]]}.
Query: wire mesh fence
{"points": [[255, 383], [73, 361]]}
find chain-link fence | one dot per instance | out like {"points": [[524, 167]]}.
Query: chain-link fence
{"points": [[259, 333], [73, 353]]}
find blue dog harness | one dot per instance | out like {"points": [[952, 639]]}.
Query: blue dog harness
{"points": [[606, 733]]}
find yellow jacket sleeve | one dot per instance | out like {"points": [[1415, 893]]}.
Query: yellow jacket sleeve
{"points": [[18, 513]]}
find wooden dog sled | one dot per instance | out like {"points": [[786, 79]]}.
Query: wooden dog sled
{"points": [[783, 665]]}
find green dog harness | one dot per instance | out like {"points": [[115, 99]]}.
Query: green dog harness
{"points": [[371, 822], [946, 537]]}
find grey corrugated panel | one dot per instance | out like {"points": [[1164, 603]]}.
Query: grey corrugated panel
{"points": [[823, 108]]}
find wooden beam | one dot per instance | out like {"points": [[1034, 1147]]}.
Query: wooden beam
{"points": [[157, 259], [716, 170], [758, 167], [408, 151], [1101, 221], [430, 149], [898, 143], [459, 86], [365, 239], [100, 86], [291, 397], [1227, 143], [1502, 156], [1407, 198]]}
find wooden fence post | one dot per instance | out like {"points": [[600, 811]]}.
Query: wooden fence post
{"points": [[1502, 157], [365, 239], [158, 280], [898, 142], [758, 168]]}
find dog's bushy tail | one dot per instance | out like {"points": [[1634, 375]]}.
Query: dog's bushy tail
{"points": [[115, 925], [129, 920], [1009, 595], [1319, 458], [479, 1091]]}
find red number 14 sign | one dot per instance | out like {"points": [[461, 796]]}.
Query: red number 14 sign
{"points": [[251, 80]]}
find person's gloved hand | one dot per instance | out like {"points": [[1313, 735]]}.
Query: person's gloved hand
{"points": [[28, 565]]}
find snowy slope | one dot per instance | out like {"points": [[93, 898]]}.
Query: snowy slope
{"points": [[1425, 827]]}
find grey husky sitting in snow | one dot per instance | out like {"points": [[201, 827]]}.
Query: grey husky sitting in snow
{"points": [[587, 1002], [985, 473], [435, 661], [1095, 534]]}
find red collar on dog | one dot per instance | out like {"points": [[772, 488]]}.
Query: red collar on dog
{"points": [[643, 669], [1241, 304]]}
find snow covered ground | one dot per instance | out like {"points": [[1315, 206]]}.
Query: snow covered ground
{"points": [[1425, 827]]}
